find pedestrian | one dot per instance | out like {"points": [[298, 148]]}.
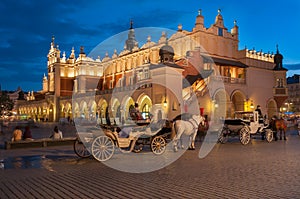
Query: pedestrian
{"points": [[27, 134], [17, 134], [57, 134]]}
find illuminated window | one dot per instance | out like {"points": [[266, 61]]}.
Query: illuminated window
{"points": [[145, 111], [280, 83]]}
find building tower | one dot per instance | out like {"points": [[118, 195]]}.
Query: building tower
{"points": [[53, 65], [131, 41], [280, 89], [54, 80]]}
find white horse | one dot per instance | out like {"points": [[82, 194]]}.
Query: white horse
{"points": [[188, 127]]}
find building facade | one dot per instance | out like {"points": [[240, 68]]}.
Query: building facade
{"points": [[138, 75], [292, 105]]}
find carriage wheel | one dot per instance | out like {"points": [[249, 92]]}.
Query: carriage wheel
{"points": [[158, 145], [269, 135], [223, 136], [80, 149], [245, 135], [103, 148]]}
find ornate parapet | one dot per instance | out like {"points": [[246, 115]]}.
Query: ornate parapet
{"points": [[259, 55]]}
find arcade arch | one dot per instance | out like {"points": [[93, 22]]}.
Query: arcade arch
{"points": [[145, 104], [238, 99], [271, 108]]}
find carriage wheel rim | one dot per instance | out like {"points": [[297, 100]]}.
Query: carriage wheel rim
{"points": [[223, 136], [103, 148], [244, 136], [158, 145], [81, 150]]}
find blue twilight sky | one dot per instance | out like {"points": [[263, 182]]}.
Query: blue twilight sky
{"points": [[26, 28]]}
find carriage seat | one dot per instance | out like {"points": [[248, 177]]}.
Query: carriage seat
{"points": [[124, 133]]}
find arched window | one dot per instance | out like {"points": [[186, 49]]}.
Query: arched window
{"points": [[145, 111]]}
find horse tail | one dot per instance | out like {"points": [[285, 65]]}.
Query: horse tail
{"points": [[174, 130]]}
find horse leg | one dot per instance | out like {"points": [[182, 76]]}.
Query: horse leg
{"points": [[275, 135], [175, 145], [192, 141], [280, 134], [175, 136], [176, 141]]}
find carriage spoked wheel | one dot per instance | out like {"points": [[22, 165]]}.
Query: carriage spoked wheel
{"points": [[245, 135], [269, 135], [223, 136], [80, 149], [158, 145], [103, 148]]}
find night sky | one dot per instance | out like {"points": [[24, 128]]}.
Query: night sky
{"points": [[26, 28]]}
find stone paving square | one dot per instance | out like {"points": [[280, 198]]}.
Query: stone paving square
{"points": [[231, 170]]}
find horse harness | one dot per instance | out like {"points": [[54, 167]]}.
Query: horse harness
{"points": [[193, 123]]}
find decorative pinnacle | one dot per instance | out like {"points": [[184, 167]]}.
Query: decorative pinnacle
{"points": [[131, 24], [81, 50], [219, 11], [199, 12]]}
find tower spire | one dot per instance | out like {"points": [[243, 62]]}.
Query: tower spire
{"points": [[131, 41], [131, 24]]}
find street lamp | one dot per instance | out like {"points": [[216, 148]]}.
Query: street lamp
{"points": [[288, 105]]}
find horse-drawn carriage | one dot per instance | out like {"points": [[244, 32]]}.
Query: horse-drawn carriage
{"points": [[246, 124], [103, 142], [128, 138]]}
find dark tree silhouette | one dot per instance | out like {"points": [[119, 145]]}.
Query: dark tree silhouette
{"points": [[6, 104]]}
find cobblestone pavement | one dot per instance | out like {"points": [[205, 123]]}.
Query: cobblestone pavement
{"points": [[231, 170]]}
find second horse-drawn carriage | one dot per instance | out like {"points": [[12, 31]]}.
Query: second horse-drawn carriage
{"points": [[245, 124]]}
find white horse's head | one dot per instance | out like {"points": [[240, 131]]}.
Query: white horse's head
{"points": [[200, 119]]}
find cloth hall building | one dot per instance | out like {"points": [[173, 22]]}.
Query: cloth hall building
{"points": [[250, 77]]}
